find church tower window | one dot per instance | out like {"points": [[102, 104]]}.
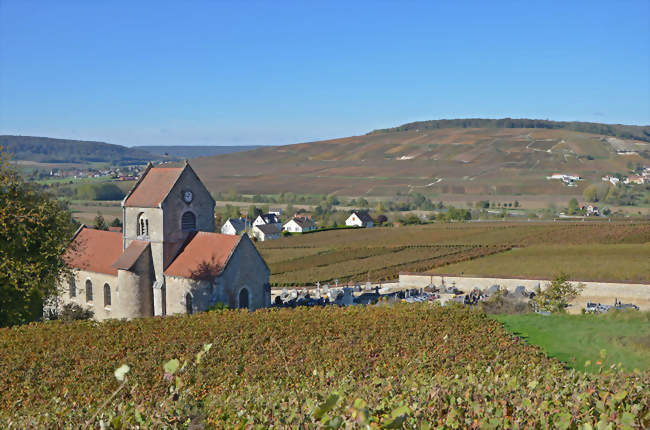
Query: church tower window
{"points": [[143, 225], [188, 221], [89, 291]]}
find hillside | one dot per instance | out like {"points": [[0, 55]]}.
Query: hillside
{"points": [[193, 151], [616, 130], [50, 150], [459, 161]]}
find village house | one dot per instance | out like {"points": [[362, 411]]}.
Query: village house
{"points": [[359, 219], [299, 224], [267, 232], [590, 210], [267, 219], [167, 260], [635, 179], [234, 226]]}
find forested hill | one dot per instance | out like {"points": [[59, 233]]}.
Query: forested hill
{"points": [[50, 150], [617, 130]]}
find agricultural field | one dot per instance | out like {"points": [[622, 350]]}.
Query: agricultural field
{"points": [[85, 211], [413, 366], [594, 262], [577, 339], [605, 251]]}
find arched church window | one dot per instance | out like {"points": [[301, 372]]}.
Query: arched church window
{"points": [[188, 221], [243, 299], [143, 225], [89, 291], [188, 303], [72, 288], [107, 295]]}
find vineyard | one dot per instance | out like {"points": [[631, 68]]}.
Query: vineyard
{"points": [[379, 254], [413, 366]]}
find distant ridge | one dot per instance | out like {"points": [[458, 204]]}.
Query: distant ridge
{"points": [[636, 132], [180, 151], [50, 150]]}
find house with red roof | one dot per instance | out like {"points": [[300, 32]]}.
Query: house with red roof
{"points": [[167, 258]]}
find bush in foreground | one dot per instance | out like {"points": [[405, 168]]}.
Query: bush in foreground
{"points": [[383, 366]]}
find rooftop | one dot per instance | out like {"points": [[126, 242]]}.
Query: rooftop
{"points": [[94, 250], [204, 255], [153, 187]]}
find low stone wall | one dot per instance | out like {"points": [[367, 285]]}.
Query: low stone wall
{"points": [[601, 292]]}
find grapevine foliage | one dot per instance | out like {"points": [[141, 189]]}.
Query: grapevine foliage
{"points": [[413, 366]]}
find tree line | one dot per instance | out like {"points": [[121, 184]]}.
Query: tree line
{"points": [[617, 130]]}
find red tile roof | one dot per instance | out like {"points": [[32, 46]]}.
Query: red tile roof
{"points": [[94, 250], [204, 255], [130, 255], [153, 188]]}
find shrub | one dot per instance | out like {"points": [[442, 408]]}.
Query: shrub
{"points": [[70, 312], [558, 294]]}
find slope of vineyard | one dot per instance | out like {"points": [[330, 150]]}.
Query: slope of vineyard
{"points": [[418, 366], [381, 253]]}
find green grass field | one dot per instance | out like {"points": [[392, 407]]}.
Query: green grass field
{"points": [[575, 339], [597, 262]]}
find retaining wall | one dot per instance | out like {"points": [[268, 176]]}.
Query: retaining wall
{"points": [[602, 292]]}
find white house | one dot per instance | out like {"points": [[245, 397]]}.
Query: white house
{"points": [[234, 226], [269, 218], [267, 232], [300, 225], [359, 219]]}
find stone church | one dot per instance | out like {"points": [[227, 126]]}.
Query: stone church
{"points": [[167, 260]]}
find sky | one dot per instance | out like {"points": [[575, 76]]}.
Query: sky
{"points": [[278, 72]]}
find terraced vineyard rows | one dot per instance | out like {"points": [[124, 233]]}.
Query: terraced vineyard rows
{"points": [[413, 366], [381, 253]]}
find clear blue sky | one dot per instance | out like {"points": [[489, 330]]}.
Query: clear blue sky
{"points": [[244, 72]]}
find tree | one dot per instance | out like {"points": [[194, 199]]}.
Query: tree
{"points": [[290, 211], [99, 192], [516, 203], [100, 223], [573, 206], [116, 222], [34, 231], [557, 294], [595, 192]]}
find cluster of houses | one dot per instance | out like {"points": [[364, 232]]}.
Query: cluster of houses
{"points": [[567, 179], [641, 179], [268, 226], [130, 173]]}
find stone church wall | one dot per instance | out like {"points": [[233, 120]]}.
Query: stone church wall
{"points": [[245, 269], [97, 305], [202, 206]]}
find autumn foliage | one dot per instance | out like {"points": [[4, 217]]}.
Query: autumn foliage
{"points": [[413, 366]]}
